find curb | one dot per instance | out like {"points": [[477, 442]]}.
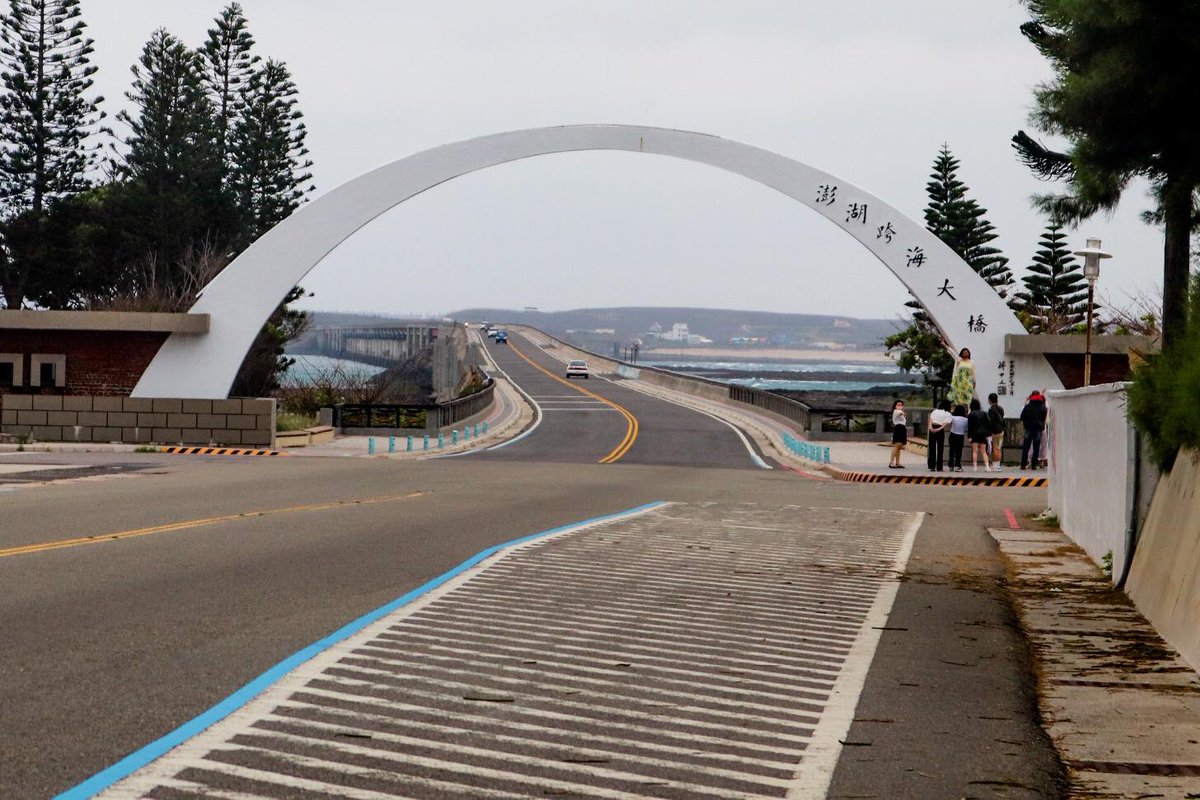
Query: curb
{"points": [[933, 480], [219, 451]]}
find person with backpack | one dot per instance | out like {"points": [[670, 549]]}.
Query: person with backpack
{"points": [[995, 414], [1033, 417]]}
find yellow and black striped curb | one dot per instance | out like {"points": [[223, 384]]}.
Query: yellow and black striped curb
{"points": [[219, 451], [935, 480]]}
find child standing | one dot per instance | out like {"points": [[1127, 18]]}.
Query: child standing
{"points": [[958, 435]]}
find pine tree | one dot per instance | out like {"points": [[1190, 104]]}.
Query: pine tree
{"points": [[46, 119], [173, 155], [228, 66], [270, 161], [959, 222], [1055, 295]]}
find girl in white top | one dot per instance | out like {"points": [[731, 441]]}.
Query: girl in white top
{"points": [[899, 434]]}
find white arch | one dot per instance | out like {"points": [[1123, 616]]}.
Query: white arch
{"points": [[241, 298]]}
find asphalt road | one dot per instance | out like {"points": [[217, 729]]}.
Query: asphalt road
{"points": [[222, 567]]}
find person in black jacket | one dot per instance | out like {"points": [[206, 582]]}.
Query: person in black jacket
{"points": [[979, 430], [1033, 417], [995, 414]]}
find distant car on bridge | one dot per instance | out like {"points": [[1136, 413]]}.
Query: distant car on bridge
{"points": [[501, 337], [577, 369]]}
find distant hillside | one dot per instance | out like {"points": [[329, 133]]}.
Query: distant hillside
{"points": [[598, 327]]}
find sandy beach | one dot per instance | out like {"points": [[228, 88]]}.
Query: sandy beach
{"points": [[773, 354]]}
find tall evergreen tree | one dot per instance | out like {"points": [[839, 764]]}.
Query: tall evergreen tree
{"points": [[46, 118], [173, 157], [270, 161], [1055, 296], [228, 66], [1123, 93], [958, 221]]}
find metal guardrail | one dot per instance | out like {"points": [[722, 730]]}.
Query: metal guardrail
{"points": [[429, 416], [775, 403]]}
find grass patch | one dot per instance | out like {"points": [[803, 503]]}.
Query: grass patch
{"points": [[292, 421]]}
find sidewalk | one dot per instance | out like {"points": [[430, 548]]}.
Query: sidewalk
{"points": [[1120, 704]]}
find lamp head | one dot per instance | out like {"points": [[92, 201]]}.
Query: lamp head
{"points": [[1091, 258]]}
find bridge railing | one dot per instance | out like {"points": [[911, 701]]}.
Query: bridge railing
{"points": [[410, 416]]}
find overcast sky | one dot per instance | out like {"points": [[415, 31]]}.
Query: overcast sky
{"points": [[867, 91]]}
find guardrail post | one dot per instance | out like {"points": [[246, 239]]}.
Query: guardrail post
{"points": [[370, 445], [391, 444]]}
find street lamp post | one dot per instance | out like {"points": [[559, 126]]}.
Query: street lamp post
{"points": [[1091, 270]]}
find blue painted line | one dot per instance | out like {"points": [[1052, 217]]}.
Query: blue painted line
{"points": [[158, 748]]}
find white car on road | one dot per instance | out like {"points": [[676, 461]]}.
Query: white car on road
{"points": [[577, 369]]}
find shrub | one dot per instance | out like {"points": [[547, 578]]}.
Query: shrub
{"points": [[1164, 397]]}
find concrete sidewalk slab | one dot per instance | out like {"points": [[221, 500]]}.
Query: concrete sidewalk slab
{"points": [[1121, 705]]}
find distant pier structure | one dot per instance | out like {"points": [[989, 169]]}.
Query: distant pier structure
{"points": [[382, 346]]}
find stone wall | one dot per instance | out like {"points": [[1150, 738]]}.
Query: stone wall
{"points": [[137, 420]]}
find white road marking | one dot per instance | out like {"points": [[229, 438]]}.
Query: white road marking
{"points": [[685, 649]]}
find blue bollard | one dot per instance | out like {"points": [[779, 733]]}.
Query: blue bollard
{"points": [[454, 437], [410, 444], [371, 446], [476, 430], [441, 440], [466, 432], [826, 455], [426, 441], [485, 426], [391, 444]]}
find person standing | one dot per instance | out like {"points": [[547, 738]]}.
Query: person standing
{"points": [[979, 430], [899, 434], [939, 423], [962, 381], [958, 435], [995, 414], [1033, 417]]}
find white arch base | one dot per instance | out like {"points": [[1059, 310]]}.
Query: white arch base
{"points": [[966, 310]]}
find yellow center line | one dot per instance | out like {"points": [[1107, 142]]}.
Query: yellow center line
{"points": [[196, 523], [631, 429]]}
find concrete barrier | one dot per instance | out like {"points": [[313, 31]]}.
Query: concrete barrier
{"points": [[1100, 485], [1164, 582]]}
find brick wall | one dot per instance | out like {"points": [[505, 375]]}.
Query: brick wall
{"points": [[137, 420], [106, 363]]}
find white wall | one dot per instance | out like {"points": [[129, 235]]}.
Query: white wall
{"points": [[1092, 465]]}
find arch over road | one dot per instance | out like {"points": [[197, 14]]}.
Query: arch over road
{"points": [[966, 310]]}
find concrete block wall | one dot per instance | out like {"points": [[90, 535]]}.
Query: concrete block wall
{"points": [[138, 420]]}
